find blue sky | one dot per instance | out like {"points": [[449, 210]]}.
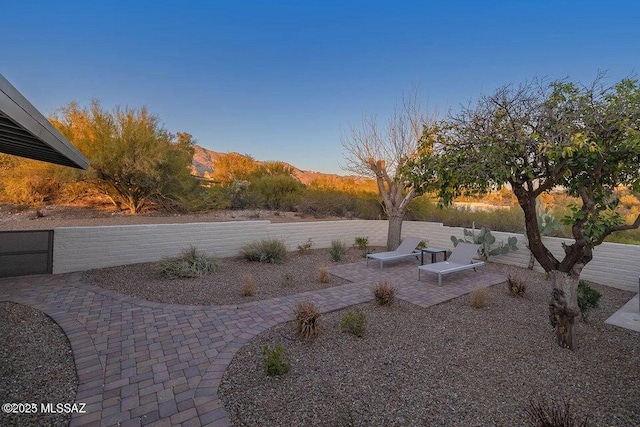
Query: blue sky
{"points": [[281, 80]]}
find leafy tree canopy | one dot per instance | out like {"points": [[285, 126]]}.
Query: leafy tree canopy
{"points": [[133, 159], [538, 136]]}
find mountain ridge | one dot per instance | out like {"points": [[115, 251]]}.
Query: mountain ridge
{"points": [[204, 159]]}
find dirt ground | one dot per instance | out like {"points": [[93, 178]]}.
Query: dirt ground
{"points": [[20, 218]]}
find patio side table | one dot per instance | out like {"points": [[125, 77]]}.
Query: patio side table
{"points": [[434, 254]]}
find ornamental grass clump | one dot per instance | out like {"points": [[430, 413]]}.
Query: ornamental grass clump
{"points": [[517, 286], [543, 413], [307, 320], [338, 250], [478, 298], [324, 276], [190, 263], [384, 293], [353, 322], [271, 251], [248, 285]]}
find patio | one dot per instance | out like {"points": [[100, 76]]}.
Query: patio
{"points": [[145, 363]]}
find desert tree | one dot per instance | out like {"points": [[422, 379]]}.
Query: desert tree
{"points": [[542, 135], [230, 167], [381, 152], [133, 159]]}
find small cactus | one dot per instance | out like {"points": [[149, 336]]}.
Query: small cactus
{"points": [[486, 240]]}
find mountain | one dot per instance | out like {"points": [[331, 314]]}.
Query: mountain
{"points": [[203, 160]]}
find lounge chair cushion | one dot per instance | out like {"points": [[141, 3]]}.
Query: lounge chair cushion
{"points": [[406, 249], [460, 259]]}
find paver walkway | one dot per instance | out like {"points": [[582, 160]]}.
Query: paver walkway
{"points": [[144, 363]]}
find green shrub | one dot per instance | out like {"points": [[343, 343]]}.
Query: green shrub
{"points": [[275, 361], [507, 220], [307, 319], [331, 202], [271, 251], [362, 243], [190, 263], [384, 293], [275, 192], [353, 322], [338, 250], [305, 247], [587, 298]]}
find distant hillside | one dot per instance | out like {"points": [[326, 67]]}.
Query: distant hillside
{"points": [[204, 159]]}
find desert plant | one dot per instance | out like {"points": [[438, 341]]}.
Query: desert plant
{"points": [[248, 285], [267, 250], [548, 224], [338, 250], [486, 240], [353, 322], [362, 243], [287, 279], [349, 418], [517, 286], [305, 247], [307, 319], [543, 413], [384, 293], [424, 243], [190, 263], [588, 298], [479, 298], [324, 276], [275, 361]]}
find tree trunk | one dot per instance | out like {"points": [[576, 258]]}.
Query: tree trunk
{"points": [[563, 308], [395, 230]]}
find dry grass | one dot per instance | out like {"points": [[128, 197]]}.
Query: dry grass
{"points": [[517, 286], [248, 285], [324, 276], [543, 413], [478, 298], [384, 293], [307, 319]]}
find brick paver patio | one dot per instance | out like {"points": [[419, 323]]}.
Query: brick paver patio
{"points": [[143, 363]]}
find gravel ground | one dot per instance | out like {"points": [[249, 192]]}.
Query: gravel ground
{"points": [[299, 273], [36, 365], [445, 365], [449, 364]]}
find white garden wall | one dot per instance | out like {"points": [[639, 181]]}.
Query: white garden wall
{"points": [[84, 248]]}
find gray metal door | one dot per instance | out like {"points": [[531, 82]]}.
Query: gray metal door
{"points": [[26, 252]]}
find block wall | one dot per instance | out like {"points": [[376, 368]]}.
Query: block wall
{"points": [[85, 248]]}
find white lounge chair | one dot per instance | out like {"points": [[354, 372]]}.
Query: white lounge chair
{"points": [[406, 249], [461, 259]]}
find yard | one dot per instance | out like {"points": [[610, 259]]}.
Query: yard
{"points": [[447, 364]]}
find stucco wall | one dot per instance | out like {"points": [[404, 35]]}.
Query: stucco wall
{"points": [[84, 248]]}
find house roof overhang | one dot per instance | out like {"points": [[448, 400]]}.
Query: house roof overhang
{"points": [[25, 132]]}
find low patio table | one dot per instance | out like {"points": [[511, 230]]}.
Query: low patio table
{"points": [[434, 254]]}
